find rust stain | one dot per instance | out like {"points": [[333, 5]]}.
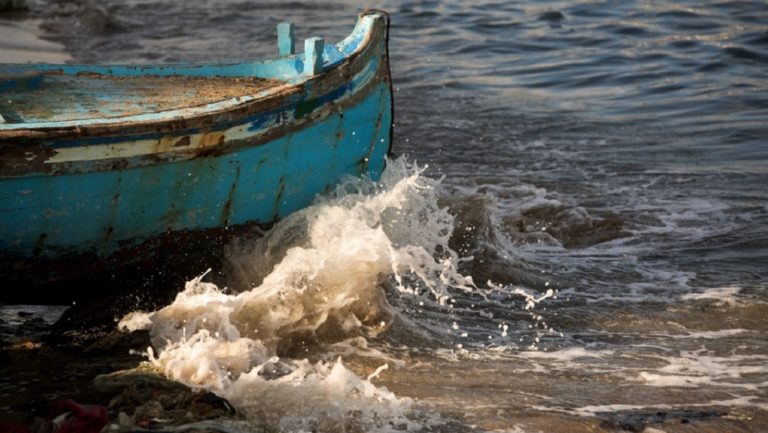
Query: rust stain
{"points": [[226, 211], [172, 216], [89, 74], [364, 162], [40, 244], [279, 197], [164, 144], [128, 95], [215, 143], [113, 209], [108, 233], [213, 138], [210, 144], [170, 142]]}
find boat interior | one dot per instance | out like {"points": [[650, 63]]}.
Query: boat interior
{"points": [[50, 95], [54, 96]]}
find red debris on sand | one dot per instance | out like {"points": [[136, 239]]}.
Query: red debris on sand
{"points": [[85, 418], [66, 417]]}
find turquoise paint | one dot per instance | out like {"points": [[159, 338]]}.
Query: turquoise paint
{"points": [[313, 56], [286, 44], [105, 210], [117, 98], [290, 68], [257, 123], [26, 81]]}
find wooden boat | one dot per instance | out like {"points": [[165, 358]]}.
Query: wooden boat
{"points": [[123, 170]]}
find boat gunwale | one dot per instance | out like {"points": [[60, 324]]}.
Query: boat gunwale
{"points": [[168, 120]]}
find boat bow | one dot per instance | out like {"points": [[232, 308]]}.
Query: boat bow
{"points": [[106, 168]]}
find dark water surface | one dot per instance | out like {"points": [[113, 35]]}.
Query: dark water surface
{"points": [[616, 152]]}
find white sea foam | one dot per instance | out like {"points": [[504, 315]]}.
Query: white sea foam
{"points": [[510, 196], [706, 335], [722, 295], [690, 218], [569, 359], [319, 397], [698, 368], [567, 356], [592, 410], [324, 290]]}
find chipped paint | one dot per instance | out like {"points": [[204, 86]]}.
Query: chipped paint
{"points": [[244, 161]]}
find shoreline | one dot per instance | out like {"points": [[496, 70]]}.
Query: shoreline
{"points": [[105, 372]]}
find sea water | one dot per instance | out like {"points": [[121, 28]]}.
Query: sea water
{"points": [[576, 238]]}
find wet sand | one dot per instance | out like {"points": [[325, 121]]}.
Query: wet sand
{"points": [[42, 363]]}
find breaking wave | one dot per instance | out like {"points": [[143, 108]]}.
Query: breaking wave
{"points": [[318, 279]]}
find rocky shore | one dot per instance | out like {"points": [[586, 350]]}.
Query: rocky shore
{"points": [[67, 382]]}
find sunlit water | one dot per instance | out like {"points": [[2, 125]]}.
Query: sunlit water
{"points": [[595, 255]]}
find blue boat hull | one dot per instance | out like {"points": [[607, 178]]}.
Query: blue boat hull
{"points": [[79, 200]]}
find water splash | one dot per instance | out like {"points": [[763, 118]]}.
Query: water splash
{"points": [[316, 281]]}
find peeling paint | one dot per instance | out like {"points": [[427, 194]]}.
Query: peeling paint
{"points": [[236, 163], [211, 139]]}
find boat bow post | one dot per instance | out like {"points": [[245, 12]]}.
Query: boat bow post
{"points": [[313, 56], [286, 44]]}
